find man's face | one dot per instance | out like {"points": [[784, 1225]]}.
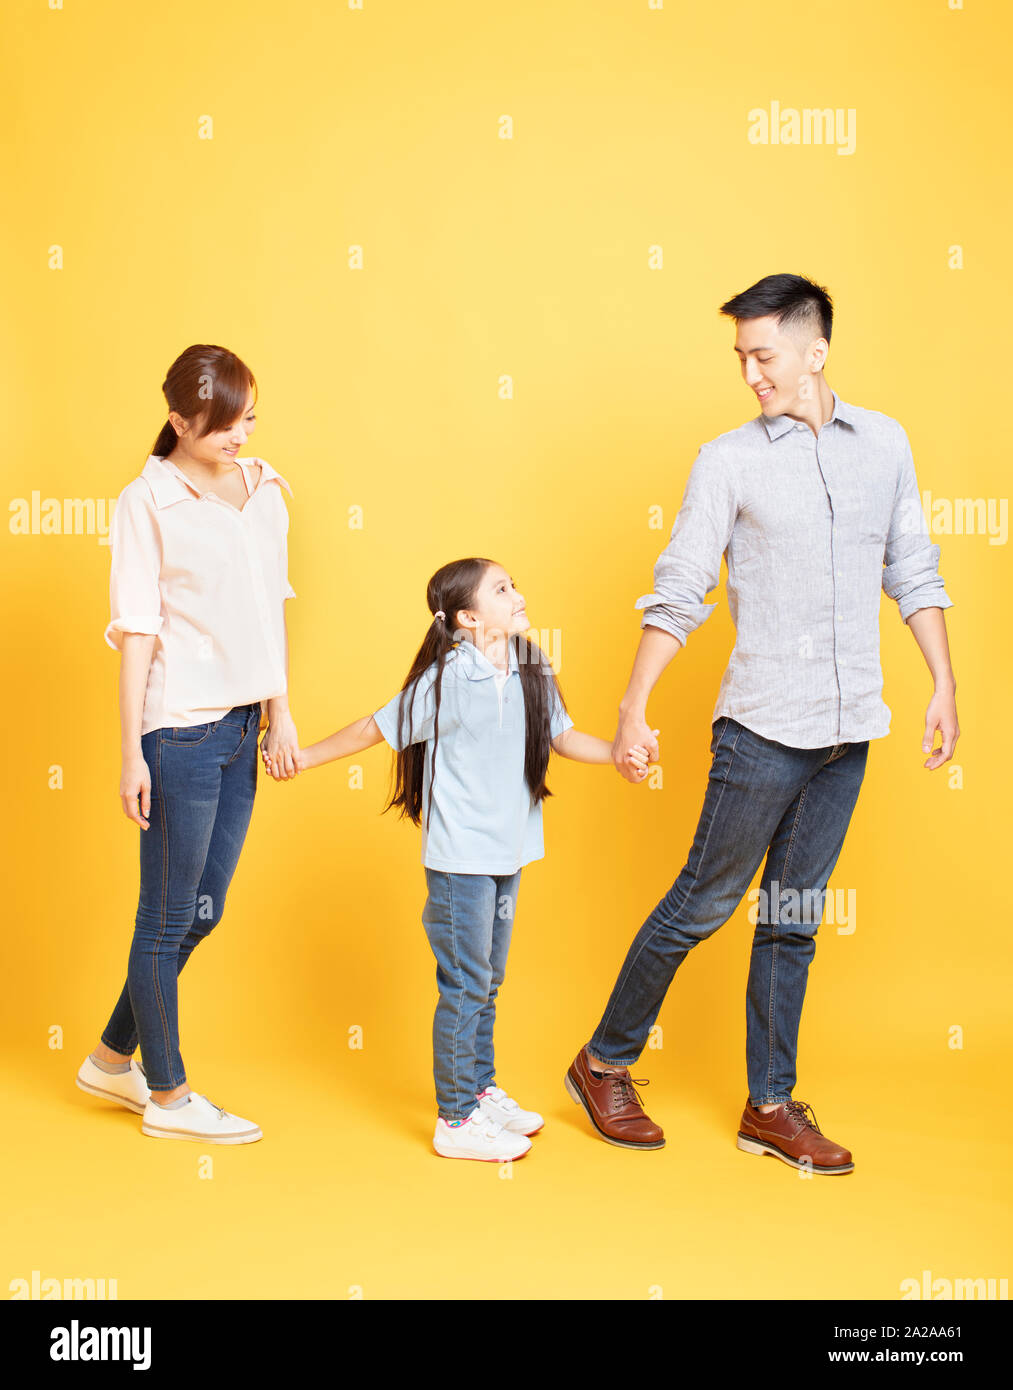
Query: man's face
{"points": [[778, 369]]}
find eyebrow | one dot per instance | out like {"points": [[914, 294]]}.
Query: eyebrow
{"points": [[757, 349]]}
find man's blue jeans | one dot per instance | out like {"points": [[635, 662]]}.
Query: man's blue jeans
{"points": [[203, 782], [468, 919], [792, 804]]}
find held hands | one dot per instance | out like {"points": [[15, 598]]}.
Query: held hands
{"points": [[280, 749], [635, 747]]}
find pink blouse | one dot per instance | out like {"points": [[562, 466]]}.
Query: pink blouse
{"points": [[210, 582]]}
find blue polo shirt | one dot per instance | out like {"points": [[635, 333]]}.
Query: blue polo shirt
{"points": [[484, 820]]}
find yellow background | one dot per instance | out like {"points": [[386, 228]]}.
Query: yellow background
{"points": [[378, 389]]}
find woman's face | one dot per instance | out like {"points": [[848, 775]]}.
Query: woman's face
{"points": [[221, 446]]}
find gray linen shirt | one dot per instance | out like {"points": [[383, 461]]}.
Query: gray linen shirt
{"points": [[812, 529]]}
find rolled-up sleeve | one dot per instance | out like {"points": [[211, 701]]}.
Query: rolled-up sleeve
{"points": [[286, 587], [690, 565], [910, 558], [134, 598]]}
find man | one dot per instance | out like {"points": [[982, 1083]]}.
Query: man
{"points": [[815, 505]]}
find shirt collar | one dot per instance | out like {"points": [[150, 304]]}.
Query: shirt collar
{"points": [[476, 664], [170, 484], [780, 424]]}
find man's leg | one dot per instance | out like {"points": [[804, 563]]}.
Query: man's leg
{"points": [[802, 856], [752, 781]]}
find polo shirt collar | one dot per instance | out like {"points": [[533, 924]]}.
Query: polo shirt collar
{"points": [[170, 484], [780, 424], [476, 664]]}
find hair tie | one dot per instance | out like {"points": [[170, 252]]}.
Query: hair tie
{"points": [[440, 614]]}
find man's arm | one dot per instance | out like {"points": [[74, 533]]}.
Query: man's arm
{"points": [[685, 572], [911, 578], [929, 628]]}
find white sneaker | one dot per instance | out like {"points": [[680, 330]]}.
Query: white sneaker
{"points": [[500, 1107], [478, 1137], [199, 1119], [127, 1088]]}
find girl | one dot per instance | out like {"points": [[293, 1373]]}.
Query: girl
{"points": [[198, 588], [472, 728]]}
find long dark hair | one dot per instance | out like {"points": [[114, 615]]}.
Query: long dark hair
{"points": [[452, 588], [204, 380]]}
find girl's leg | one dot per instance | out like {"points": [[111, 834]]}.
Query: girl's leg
{"points": [[458, 918], [196, 781], [507, 886]]}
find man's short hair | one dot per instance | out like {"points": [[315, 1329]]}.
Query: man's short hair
{"points": [[801, 307]]}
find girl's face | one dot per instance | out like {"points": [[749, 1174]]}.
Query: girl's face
{"points": [[499, 609], [221, 446]]}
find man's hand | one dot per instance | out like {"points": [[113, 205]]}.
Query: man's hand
{"points": [[633, 731], [280, 748], [942, 715]]}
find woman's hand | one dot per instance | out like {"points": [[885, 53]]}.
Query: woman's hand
{"points": [[135, 781], [280, 748]]}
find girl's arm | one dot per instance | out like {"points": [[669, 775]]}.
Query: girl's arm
{"points": [[353, 738], [587, 748]]}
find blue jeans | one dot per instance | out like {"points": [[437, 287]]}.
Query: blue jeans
{"points": [[792, 804], [468, 919], [203, 782]]}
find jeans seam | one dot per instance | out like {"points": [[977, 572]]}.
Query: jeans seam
{"points": [[157, 990], [771, 999], [603, 1026], [460, 987]]}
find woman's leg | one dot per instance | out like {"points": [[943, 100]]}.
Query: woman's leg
{"points": [[201, 801], [458, 918]]}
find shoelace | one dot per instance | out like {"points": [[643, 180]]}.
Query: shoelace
{"points": [[627, 1095], [220, 1108], [798, 1108]]}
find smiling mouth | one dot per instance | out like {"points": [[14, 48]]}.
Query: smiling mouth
{"points": [[767, 391]]}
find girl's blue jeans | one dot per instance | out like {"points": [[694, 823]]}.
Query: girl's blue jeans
{"points": [[763, 798], [468, 919], [203, 783]]}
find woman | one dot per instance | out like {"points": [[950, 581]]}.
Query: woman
{"points": [[198, 588]]}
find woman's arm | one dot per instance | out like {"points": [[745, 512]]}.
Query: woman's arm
{"points": [[135, 778], [280, 744]]}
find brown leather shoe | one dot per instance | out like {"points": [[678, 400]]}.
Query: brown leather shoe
{"points": [[789, 1135], [612, 1105]]}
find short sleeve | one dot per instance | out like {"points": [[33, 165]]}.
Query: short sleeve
{"points": [[134, 598], [422, 713], [559, 720]]}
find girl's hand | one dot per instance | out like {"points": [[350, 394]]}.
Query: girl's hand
{"points": [[280, 748], [135, 781], [637, 760]]}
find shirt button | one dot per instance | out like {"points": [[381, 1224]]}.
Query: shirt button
{"points": [[801, 427]]}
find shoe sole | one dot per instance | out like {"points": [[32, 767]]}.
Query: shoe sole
{"points": [[110, 1095], [748, 1145], [573, 1092], [477, 1158], [248, 1137]]}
